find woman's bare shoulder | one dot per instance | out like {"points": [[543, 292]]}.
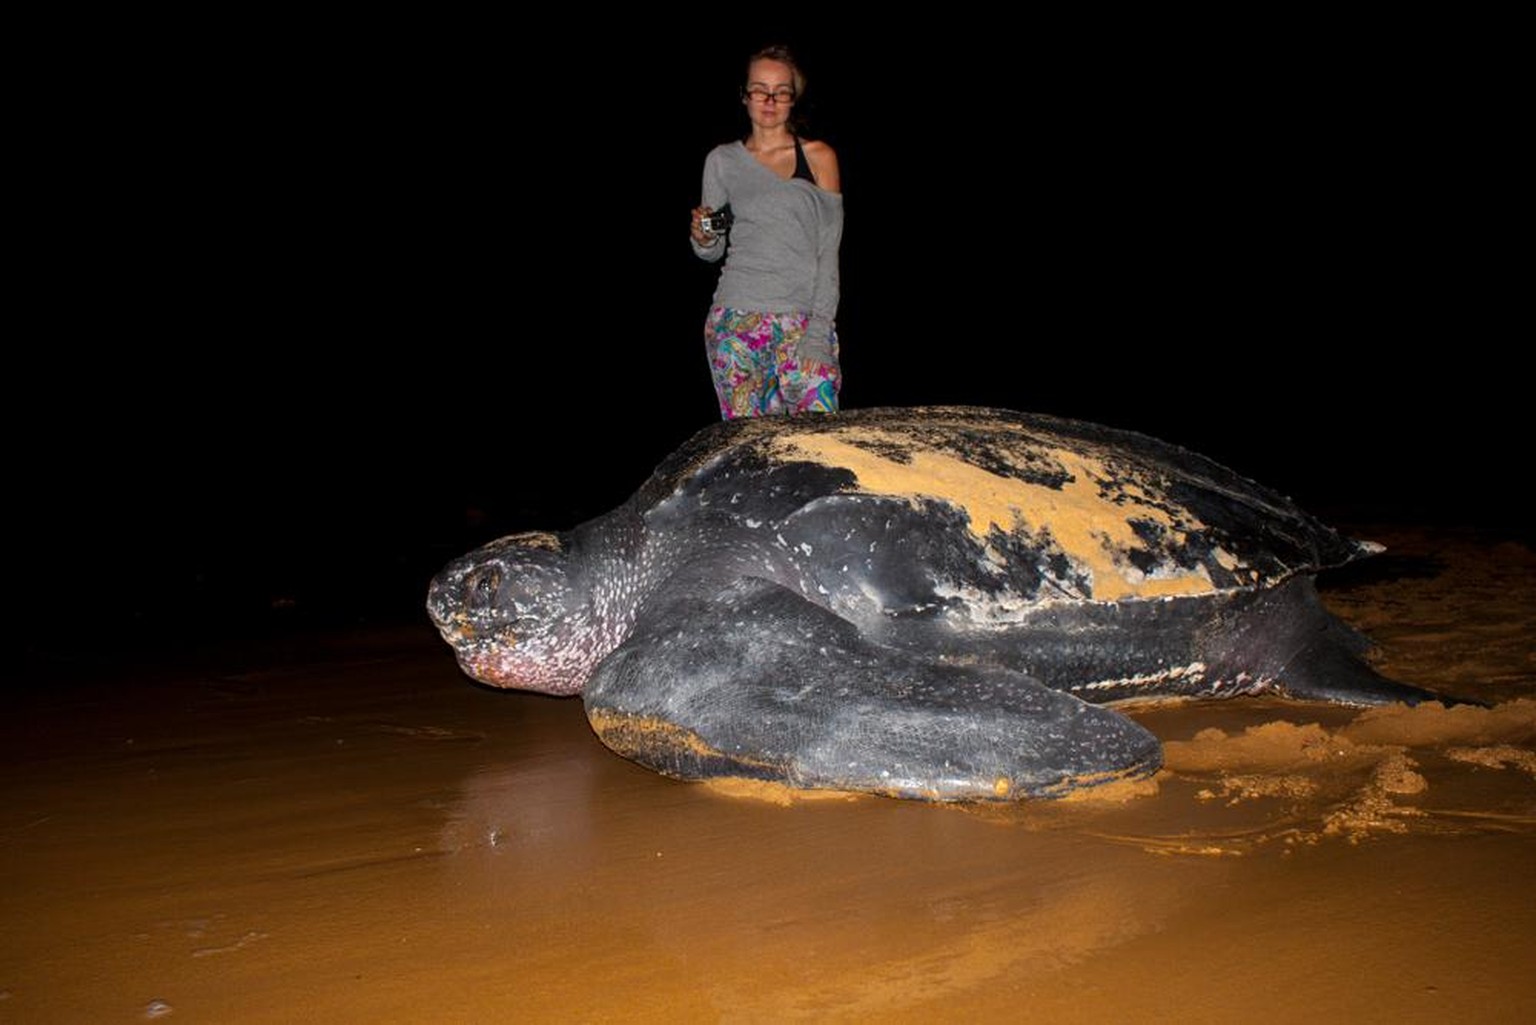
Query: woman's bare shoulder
{"points": [[823, 160]]}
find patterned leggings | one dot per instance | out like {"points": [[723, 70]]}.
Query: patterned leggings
{"points": [[757, 371]]}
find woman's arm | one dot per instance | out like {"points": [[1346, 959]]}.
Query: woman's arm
{"points": [[817, 343], [709, 247]]}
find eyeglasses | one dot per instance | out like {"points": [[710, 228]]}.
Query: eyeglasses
{"points": [[780, 96]]}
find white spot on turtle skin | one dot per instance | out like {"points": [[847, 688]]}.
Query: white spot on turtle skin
{"points": [[1192, 674], [754, 524], [780, 539], [979, 608], [805, 548]]}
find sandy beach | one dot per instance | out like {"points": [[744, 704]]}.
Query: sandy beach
{"points": [[342, 827]]}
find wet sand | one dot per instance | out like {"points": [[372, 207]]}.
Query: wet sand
{"points": [[343, 828]]}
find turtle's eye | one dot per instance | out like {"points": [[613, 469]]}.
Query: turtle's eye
{"points": [[481, 587]]}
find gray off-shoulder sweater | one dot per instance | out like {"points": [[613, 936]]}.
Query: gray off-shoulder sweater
{"points": [[781, 253]]}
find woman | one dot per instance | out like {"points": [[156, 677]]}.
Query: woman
{"points": [[770, 337]]}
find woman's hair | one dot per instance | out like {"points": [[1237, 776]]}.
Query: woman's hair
{"points": [[780, 53], [783, 56]]}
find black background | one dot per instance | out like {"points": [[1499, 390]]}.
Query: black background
{"points": [[325, 305]]}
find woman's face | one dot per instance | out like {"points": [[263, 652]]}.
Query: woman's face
{"points": [[770, 92]]}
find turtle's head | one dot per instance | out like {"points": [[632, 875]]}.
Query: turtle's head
{"points": [[512, 616]]}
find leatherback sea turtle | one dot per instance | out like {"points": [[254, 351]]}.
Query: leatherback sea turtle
{"points": [[927, 602]]}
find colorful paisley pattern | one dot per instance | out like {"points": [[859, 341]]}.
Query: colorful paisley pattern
{"points": [[757, 370]]}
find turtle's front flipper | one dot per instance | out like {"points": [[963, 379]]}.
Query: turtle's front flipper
{"points": [[756, 682]]}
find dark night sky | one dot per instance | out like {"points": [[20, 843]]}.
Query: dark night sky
{"points": [[348, 302]]}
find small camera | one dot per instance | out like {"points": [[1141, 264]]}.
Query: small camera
{"points": [[718, 222]]}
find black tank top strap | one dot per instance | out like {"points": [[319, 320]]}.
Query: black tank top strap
{"points": [[802, 166]]}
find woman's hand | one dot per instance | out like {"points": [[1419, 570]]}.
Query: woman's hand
{"points": [[696, 228]]}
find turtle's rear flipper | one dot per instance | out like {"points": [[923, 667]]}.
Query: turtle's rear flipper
{"points": [[1285, 634], [757, 682]]}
